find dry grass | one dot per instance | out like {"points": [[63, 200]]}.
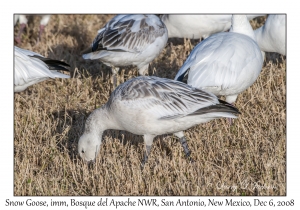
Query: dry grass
{"points": [[50, 116]]}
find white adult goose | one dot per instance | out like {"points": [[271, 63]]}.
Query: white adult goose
{"points": [[151, 106], [271, 36], [225, 63], [31, 68], [129, 40], [197, 26], [23, 22]]}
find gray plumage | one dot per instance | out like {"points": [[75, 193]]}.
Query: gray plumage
{"points": [[151, 106], [129, 40]]}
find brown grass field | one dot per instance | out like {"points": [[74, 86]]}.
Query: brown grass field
{"points": [[247, 158]]}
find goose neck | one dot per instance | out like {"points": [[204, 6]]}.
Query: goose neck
{"points": [[240, 24]]}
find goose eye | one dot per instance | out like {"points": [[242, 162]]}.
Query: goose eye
{"points": [[82, 151]]}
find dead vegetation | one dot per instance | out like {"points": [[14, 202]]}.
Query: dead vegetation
{"points": [[248, 158]]}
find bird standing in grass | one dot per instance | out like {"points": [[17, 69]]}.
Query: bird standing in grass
{"points": [[32, 68], [151, 106], [225, 63], [129, 40], [23, 22], [271, 36]]}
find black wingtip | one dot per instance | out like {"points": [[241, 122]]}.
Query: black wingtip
{"points": [[53, 64], [180, 78], [56, 62], [223, 106], [230, 106], [183, 77]]}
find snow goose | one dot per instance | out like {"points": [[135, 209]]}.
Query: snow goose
{"points": [[197, 26], [225, 63], [23, 22], [129, 40], [271, 36], [151, 106], [31, 68]]}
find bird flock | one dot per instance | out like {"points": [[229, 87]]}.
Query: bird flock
{"points": [[224, 63]]}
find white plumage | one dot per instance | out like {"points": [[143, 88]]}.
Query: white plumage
{"points": [[197, 26], [226, 63], [31, 68], [271, 36], [151, 106], [23, 20], [129, 40]]}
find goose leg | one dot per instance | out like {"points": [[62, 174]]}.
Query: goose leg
{"points": [[231, 99], [42, 29], [147, 153], [115, 80], [144, 71], [115, 71], [186, 149], [18, 38], [148, 139], [230, 120], [184, 144], [44, 21]]}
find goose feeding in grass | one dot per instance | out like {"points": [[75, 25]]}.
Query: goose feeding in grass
{"points": [[31, 68], [129, 40], [271, 36], [151, 106], [225, 63], [197, 26], [23, 22]]}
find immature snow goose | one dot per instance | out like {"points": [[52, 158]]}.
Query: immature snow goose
{"points": [[271, 36], [23, 22], [31, 68], [225, 63], [197, 26], [151, 106], [129, 40]]}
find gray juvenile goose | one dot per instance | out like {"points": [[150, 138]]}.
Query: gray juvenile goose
{"points": [[129, 40], [151, 106]]}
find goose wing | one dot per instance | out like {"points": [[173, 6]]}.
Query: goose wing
{"points": [[165, 98], [30, 66], [129, 33]]}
